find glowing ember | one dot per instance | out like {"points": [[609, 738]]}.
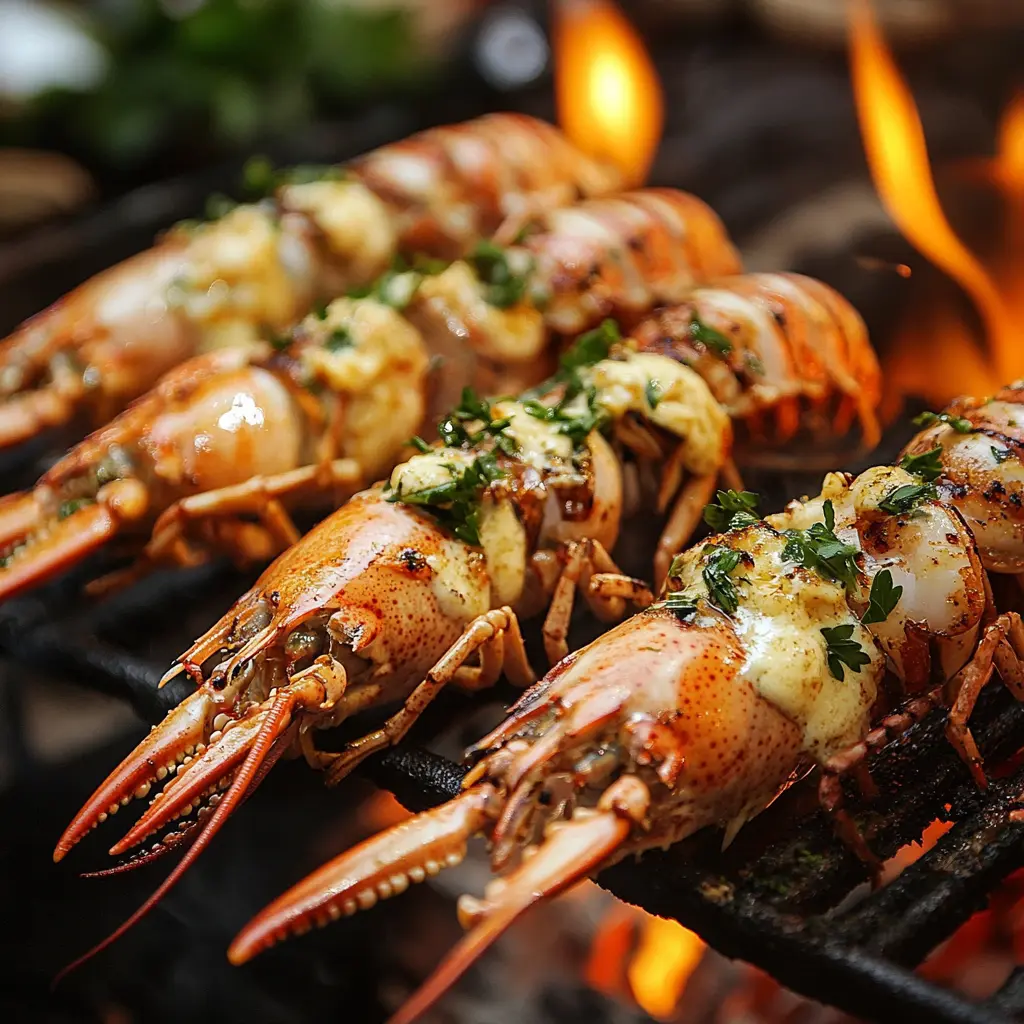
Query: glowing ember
{"points": [[898, 157], [609, 98], [667, 956]]}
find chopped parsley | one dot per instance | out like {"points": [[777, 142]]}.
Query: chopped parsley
{"points": [[684, 605], [73, 505], [456, 503], [420, 445], [732, 510], [1000, 454], [653, 393], [576, 423], [958, 423], [721, 561], [709, 337], [397, 286], [882, 599], [505, 287], [841, 649], [340, 338], [819, 549], [927, 466], [472, 408], [586, 350], [904, 499]]}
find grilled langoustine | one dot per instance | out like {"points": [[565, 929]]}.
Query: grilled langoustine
{"points": [[765, 654], [328, 407], [391, 596], [261, 267]]}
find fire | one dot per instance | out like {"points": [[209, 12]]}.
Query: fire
{"points": [[898, 157], [662, 965], [609, 98]]}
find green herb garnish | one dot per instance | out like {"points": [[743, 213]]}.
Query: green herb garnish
{"points": [[927, 466], [710, 338], [73, 505], [684, 605], [472, 408], [1000, 454], [504, 287], [588, 349], [456, 503], [882, 599], [653, 393], [841, 649], [819, 549], [958, 423], [420, 445], [576, 424], [720, 562], [732, 510], [904, 499], [340, 338]]}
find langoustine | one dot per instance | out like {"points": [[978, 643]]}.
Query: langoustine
{"points": [[262, 266], [765, 654], [245, 434], [385, 602]]}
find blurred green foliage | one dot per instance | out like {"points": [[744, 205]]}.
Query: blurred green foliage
{"points": [[223, 74]]}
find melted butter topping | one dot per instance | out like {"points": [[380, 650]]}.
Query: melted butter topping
{"points": [[236, 280], [372, 354], [539, 441], [460, 581], [431, 469], [516, 334], [685, 405], [782, 610], [356, 223], [504, 542]]}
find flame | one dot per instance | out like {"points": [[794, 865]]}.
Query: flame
{"points": [[667, 956], [610, 101], [898, 157], [1010, 159]]}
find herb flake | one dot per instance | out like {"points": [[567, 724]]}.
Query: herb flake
{"points": [[882, 599], [958, 423], [819, 549], [721, 561], [905, 498], [732, 510], [927, 465], [709, 337], [841, 649]]}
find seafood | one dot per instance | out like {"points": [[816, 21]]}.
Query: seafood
{"points": [[389, 598], [327, 410], [765, 654], [979, 443], [262, 266]]}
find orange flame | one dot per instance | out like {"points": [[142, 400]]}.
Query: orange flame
{"points": [[666, 958], [609, 98], [1010, 162], [898, 157]]}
